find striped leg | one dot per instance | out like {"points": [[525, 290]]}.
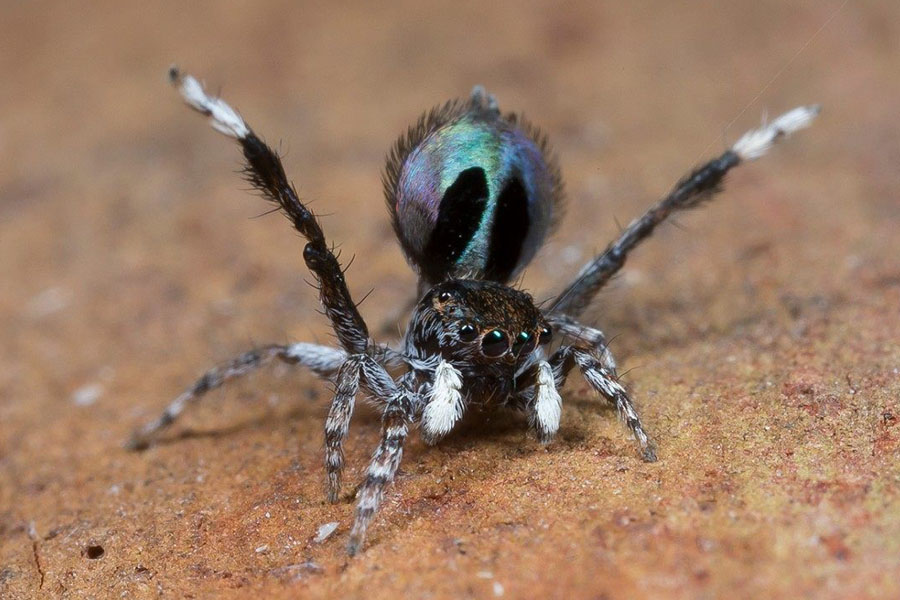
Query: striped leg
{"points": [[265, 172], [584, 335], [383, 468], [359, 369], [699, 185], [604, 381], [338, 423], [322, 360]]}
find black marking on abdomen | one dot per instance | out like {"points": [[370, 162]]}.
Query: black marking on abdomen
{"points": [[511, 225], [459, 217]]}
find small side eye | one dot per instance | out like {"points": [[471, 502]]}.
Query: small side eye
{"points": [[525, 343], [495, 343], [545, 336], [445, 296], [468, 333]]}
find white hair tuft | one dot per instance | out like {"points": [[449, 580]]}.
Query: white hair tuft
{"points": [[222, 117], [445, 403], [548, 403], [757, 142]]}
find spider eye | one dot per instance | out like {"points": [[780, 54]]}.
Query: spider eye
{"points": [[546, 335], [525, 343], [445, 296], [468, 333], [495, 343]]}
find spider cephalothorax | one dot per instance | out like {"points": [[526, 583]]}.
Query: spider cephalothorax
{"points": [[478, 321], [472, 194]]}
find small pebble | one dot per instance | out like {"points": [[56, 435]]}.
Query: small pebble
{"points": [[48, 302], [325, 531], [87, 394]]}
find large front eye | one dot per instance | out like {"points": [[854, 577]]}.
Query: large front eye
{"points": [[525, 343], [495, 343]]}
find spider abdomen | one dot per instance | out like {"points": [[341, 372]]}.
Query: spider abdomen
{"points": [[472, 192]]}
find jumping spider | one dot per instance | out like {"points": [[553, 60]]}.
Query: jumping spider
{"points": [[472, 194]]}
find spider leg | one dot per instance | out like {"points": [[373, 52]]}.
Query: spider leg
{"points": [[590, 337], [338, 424], [534, 393], [604, 381], [693, 189], [398, 412], [266, 173], [322, 360], [359, 369]]}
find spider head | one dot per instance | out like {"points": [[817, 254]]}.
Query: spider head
{"points": [[479, 321]]}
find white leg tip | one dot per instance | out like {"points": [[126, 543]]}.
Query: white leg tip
{"points": [[756, 143], [222, 117]]}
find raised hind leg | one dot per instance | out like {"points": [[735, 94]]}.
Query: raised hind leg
{"points": [[694, 188]]}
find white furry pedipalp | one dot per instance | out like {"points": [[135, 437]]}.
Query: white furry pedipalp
{"points": [[222, 117], [547, 403], [756, 142], [445, 405]]}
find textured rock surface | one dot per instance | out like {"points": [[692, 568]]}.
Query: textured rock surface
{"points": [[761, 335]]}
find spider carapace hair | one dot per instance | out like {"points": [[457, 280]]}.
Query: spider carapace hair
{"points": [[472, 193]]}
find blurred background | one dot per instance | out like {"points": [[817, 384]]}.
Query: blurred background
{"points": [[131, 260]]}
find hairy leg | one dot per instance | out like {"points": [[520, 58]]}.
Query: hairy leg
{"points": [[359, 369], [605, 382], [695, 188], [265, 172], [537, 393], [338, 424], [322, 360], [589, 337], [385, 461]]}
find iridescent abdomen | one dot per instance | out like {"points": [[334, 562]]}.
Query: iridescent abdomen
{"points": [[472, 193]]}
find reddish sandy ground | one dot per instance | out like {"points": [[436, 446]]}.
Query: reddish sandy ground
{"points": [[760, 336]]}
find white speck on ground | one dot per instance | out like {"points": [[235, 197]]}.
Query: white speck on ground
{"points": [[325, 531], [87, 394], [49, 301]]}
